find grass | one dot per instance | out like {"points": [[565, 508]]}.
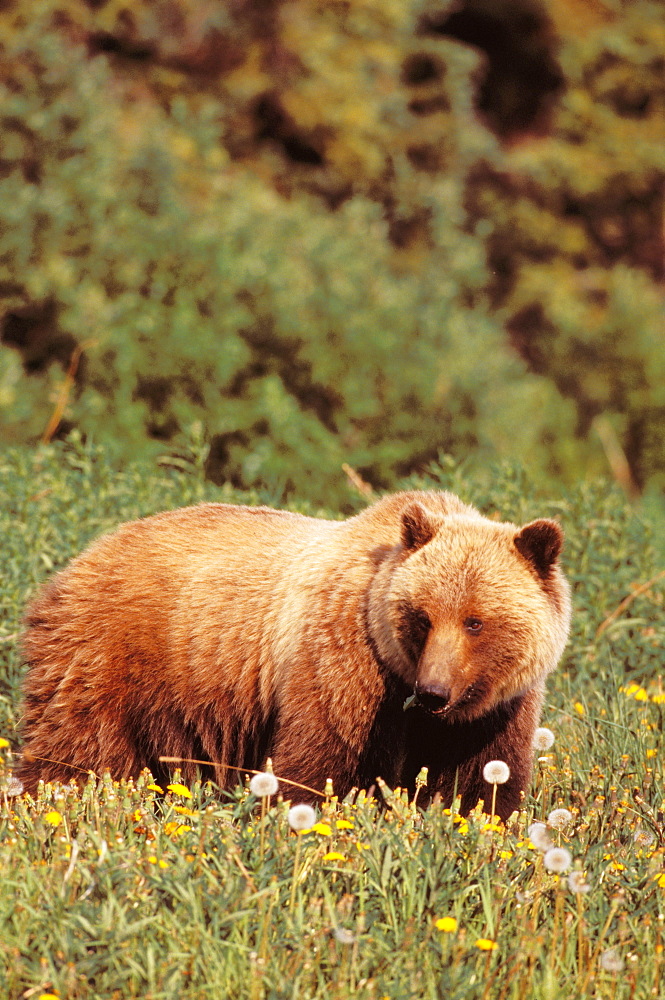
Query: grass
{"points": [[125, 890]]}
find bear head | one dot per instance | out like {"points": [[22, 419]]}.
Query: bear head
{"points": [[469, 612]]}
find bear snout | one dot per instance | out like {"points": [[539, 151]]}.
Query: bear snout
{"points": [[433, 697]]}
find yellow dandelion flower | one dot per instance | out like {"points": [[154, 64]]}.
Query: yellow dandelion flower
{"points": [[171, 827], [617, 866], [155, 788], [362, 847], [658, 699], [652, 753], [185, 811], [48, 996], [3, 743], [179, 789], [333, 856], [323, 828], [504, 855], [446, 924], [492, 826], [660, 880], [344, 824], [135, 816], [152, 859], [579, 708], [53, 818], [485, 944]]}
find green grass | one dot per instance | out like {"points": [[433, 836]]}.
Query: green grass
{"points": [[122, 891]]}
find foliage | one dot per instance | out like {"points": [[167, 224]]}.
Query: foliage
{"points": [[576, 249], [120, 890], [274, 220]]}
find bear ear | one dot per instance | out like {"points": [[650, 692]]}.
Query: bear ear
{"points": [[540, 542], [419, 525]]}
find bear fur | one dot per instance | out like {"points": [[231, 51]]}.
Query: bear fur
{"points": [[232, 634]]}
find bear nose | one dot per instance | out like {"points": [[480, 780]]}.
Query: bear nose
{"points": [[432, 697]]}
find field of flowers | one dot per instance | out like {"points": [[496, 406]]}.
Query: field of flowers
{"points": [[119, 890]]}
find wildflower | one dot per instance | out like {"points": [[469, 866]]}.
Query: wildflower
{"points": [[179, 789], [263, 784], [543, 739], [333, 856], [446, 924], [557, 859], [344, 824], [184, 811], [301, 817], [48, 996], [14, 787], [504, 855], [496, 772], [486, 944], [659, 879], [322, 828], [155, 788], [643, 838], [611, 961], [577, 882], [559, 819], [3, 743], [579, 708], [53, 818], [344, 935], [539, 837]]}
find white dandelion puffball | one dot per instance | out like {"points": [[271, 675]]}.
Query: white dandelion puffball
{"points": [[539, 836], [611, 961], [496, 772], [643, 838], [301, 817], [14, 786], [559, 819], [557, 860], [543, 739], [263, 784], [344, 935], [577, 882]]}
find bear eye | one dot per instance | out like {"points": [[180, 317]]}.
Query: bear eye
{"points": [[473, 625]]}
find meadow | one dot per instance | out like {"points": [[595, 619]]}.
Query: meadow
{"points": [[119, 890]]}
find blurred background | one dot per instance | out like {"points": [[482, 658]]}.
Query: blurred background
{"points": [[279, 237]]}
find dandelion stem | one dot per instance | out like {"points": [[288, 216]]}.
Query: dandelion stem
{"points": [[296, 872]]}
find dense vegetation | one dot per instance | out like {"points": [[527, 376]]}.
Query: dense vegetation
{"points": [[335, 232], [123, 891]]}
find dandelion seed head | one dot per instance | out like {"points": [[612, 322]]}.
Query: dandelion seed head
{"points": [[557, 860], [14, 786], [611, 961], [496, 772], [644, 838], [263, 784], [577, 882], [539, 836], [543, 739], [559, 819], [344, 935], [301, 817]]}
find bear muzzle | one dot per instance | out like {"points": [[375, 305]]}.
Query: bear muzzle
{"points": [[433, 697]]}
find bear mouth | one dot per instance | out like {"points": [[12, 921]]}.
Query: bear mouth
{"points": [[439, 704]]}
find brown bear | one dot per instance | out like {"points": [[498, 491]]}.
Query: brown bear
{"points": [[231, 634]]}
